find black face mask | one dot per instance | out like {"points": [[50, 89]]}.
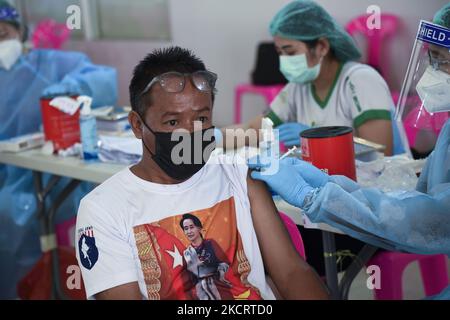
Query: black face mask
{"points": [[188, 160]]}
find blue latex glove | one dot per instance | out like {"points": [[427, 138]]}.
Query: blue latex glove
{"points": [[62, 89], [290, 133], [413, 221], [218, 136], [287, 182], [315, 177]]}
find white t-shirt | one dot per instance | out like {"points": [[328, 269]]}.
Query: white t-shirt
{"points": [[359, 94], [128, 229]]}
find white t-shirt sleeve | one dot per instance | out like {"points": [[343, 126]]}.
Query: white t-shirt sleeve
{"points": [[104, 255], [282, 108], [368, 96]]}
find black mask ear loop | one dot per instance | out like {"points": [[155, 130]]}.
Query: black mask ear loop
{"points": [[150, 129]]}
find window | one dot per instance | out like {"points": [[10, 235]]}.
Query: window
{"points": [[105, 19], [137, 19], [35, 11]]}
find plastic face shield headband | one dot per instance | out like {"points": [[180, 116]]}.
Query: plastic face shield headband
{"points": [[11, 16], [175, 82], [8, 14]]}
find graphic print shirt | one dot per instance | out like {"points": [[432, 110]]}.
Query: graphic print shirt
{"points": [[129, 230]]}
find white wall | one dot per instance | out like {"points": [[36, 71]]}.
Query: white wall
{"points": [[225, 35]]}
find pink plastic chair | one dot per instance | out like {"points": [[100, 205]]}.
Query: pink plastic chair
{"points": [[50, 35], [375, 38], [433, 269], [294, 233], [65, 233], [268, 92]]}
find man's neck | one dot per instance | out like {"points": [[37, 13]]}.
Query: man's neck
{"points": [[327, 75], [148, 170]]}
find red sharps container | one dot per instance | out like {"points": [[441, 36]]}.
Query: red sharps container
{"points": [[59, 127], [330, 149]]}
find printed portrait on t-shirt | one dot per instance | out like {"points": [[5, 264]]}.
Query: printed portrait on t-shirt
{"points": [[195, 255]]}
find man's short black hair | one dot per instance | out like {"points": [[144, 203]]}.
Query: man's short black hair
{"points": [[194, 219], [158, 62]]}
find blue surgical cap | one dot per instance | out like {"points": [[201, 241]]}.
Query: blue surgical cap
{"points": [[306, 21], [442, 17]]}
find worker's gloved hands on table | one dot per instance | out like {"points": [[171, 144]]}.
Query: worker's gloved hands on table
{"points": [[290, 133], [64, 88], [293, 181]]}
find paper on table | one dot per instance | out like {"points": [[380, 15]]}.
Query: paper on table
{"points": [[23, 142], [65, 104], [126, 150], [129, 145]]}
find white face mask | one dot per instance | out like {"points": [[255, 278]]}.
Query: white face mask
{"points": [[434, 90], [10, 51], [295, 69]]}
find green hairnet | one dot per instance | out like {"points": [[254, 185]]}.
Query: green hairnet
{"points": [[9, 14], [305, 21], [442, 17]]}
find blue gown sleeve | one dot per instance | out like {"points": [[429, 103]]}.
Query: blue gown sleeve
{"points": [[78, 72], [412, 221]]}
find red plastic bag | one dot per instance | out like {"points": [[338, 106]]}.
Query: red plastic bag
{"points": [[37, 284]]}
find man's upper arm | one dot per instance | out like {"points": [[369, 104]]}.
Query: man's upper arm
{"points": [[275, 243], [292, 276]]}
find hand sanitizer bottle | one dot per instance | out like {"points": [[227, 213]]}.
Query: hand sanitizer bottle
{"points": [[88, 129]]}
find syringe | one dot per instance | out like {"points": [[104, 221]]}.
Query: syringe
{"points": [[290, 151]]}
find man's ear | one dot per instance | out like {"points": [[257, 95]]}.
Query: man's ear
{"points": [[136, 124]]}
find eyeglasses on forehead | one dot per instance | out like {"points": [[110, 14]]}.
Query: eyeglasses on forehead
{"points": [[175, 82]]}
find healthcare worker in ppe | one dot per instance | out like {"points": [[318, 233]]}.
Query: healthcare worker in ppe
{"points": [[413, 221], [24, 78], [327, 87]]}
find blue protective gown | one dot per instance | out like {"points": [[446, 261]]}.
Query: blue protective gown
{"points": [[20, 90], [417, 221]]}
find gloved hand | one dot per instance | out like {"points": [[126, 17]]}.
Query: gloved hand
{"points": [[62, 89], [287, 182], [315, 177], [290, 133], [218, 136]]}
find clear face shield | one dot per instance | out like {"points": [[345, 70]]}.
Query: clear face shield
{"points": [[424, 103]]}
